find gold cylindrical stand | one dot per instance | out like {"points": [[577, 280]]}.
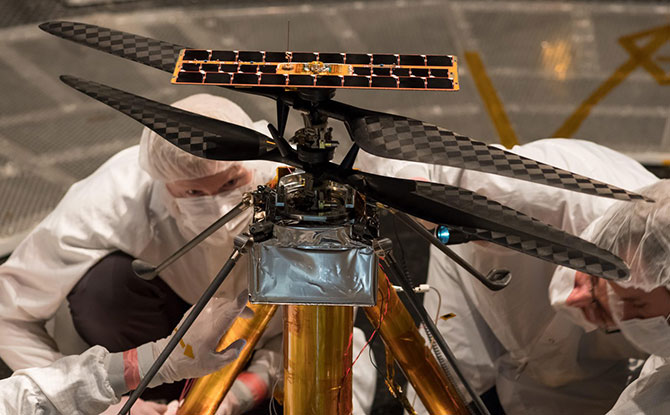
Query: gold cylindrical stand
{"points": [[207, 392], [317, 360], [401, 336]]}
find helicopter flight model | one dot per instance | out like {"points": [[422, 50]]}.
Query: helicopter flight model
{"points": [[324, 194]]}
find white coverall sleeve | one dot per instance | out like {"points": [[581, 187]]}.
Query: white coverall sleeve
{"points": [[76, 385], [393, 168], [105, 212], [364, 375], [648, 394]]}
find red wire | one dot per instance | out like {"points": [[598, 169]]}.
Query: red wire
{"points": [[187, 387], [381, 320]]}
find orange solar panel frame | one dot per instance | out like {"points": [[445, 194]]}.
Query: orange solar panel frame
{"points": [[316, 70]]}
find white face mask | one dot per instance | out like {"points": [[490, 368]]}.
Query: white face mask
{"points": [[195, 214], [651, 335]]}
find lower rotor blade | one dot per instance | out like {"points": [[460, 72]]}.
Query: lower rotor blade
{"points": [[199, 135], [485, 219], [402, 138]]}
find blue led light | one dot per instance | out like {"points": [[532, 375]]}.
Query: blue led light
{"points": [[442, 234]]}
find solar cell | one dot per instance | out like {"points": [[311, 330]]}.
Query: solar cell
{"points": [[316, 69]]}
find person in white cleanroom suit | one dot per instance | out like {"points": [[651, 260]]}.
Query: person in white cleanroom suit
{"points": [[76, 263], [539, 361], [87, 384], [640, 306], [77, 260]]}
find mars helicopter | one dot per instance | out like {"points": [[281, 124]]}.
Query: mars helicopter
{"points": [[325, 198]]}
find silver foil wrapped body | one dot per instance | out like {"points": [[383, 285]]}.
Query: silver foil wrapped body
{"points": [[313, 265]]}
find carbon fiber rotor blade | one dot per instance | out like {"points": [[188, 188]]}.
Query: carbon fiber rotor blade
{"points": [[199, 135], [488, 220], [145, 50], [401, 138]]}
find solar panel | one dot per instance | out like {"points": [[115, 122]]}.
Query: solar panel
{"points": [[316, 70]]}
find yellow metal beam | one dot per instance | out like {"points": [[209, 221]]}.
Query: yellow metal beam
{"points": [[491, 100], [639, 57]]}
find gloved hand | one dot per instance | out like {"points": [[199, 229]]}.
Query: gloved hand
{"points": [[172, 408], [249, 389], [195, 356]]}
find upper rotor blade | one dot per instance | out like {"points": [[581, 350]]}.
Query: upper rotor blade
{"points": [[199, 135], [485, 219], [401, 138], [151, 52]]}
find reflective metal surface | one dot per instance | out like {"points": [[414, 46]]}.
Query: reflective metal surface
{"points": [[410, 350], [206, 394], [313, 266], [317, 357], [300, 198]]}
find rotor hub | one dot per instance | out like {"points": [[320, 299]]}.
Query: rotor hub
{"points": [[316, 94], [315, 141], [300, 197]]}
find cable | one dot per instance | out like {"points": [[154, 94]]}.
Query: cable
{"points": [[405, 270], [271, 405], [381, 320], [370, 356], [437, 318], [438, 356], [384, 248], [439, 303], [187, 387], [374, 332]]}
